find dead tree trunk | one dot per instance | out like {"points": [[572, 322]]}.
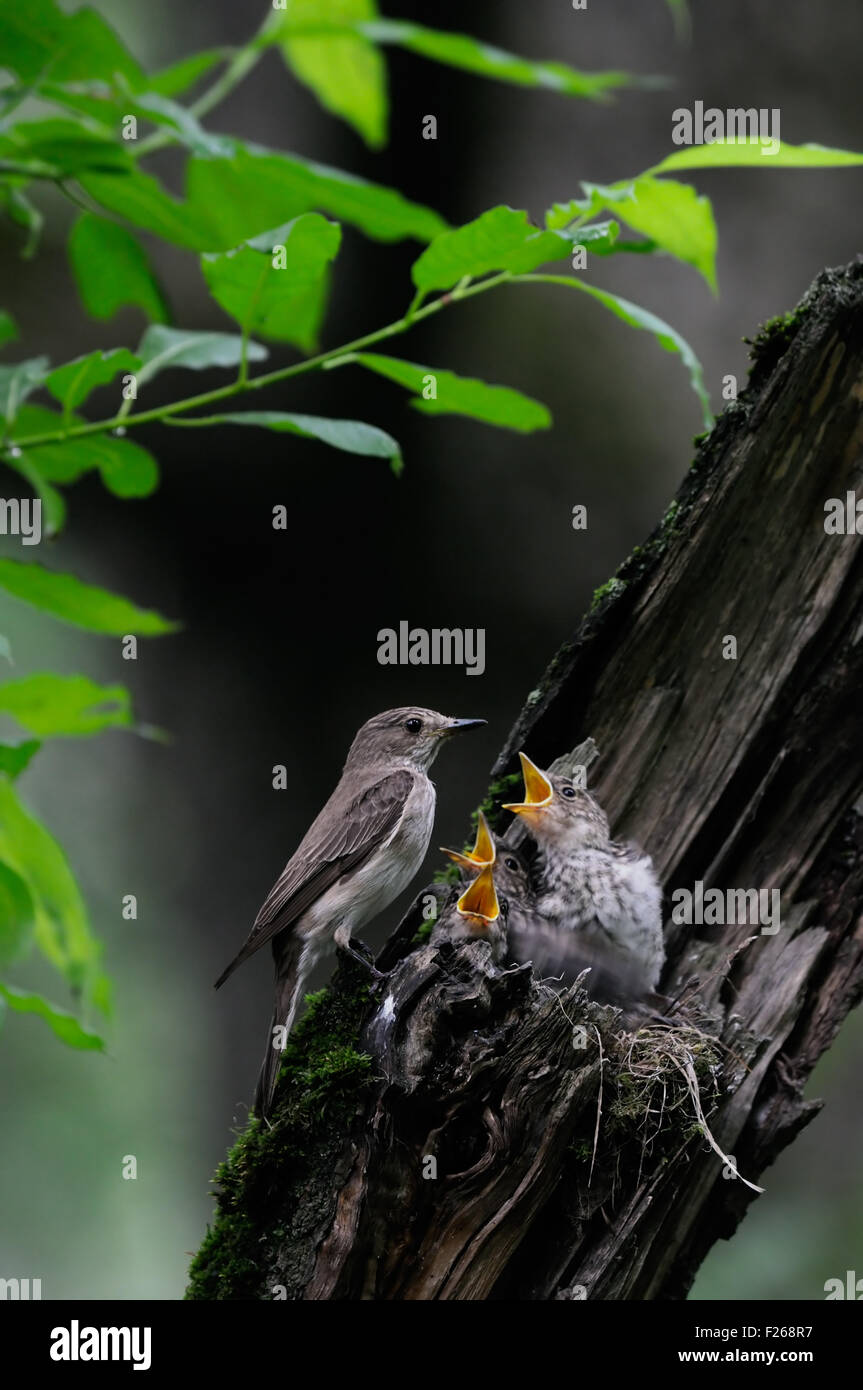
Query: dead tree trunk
{"points": [[466, 1133]]}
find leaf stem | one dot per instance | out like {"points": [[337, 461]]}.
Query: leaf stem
{"points": [[237, 69], [165, 413]]}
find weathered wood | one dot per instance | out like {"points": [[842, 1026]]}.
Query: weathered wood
{"points": [[569, 1141]]}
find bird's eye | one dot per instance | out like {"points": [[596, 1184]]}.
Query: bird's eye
{"points": [[568, 792], [413, 726], [511, 863]]}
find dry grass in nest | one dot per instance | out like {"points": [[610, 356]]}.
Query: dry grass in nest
{"points": [[663, 1072]]}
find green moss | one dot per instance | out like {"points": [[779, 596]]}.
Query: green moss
{"points": [[447, 875], [581, 1150], [774, 336], [611, 589], [275, 1184], [422, 934], [498, 792], [672, 517]]}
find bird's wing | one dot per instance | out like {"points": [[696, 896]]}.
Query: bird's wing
{"points": [[345, 839], [557, 951]]}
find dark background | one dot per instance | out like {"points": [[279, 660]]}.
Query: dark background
{"points": [[276, 663]]}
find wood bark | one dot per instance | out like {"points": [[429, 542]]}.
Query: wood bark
{"points": [[569, 1144]]}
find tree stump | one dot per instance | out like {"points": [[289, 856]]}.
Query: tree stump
{"points": [[464, 1131]]}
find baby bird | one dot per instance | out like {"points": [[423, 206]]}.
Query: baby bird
{"points": [[510, 870], [598, 903], [510, 877], [477, 914]]}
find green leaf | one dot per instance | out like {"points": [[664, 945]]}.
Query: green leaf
{"points": [[344, 70], [103, 107], [53, 506], [232, 199], [8, 328], [600, 238], [63, 1025], [111, 270], [83, 605], [126, 469], [55, 463], [72, 383], [170, 115], [62, 148], [670, 214], [278, 296], [70, 706], [17, 382], [682, 20], [17, 914], [14, 757], [667, 337], [62, 930], [256, 190], [24, 214], [471, 55], [141, 200], [161, 348], [501, 239], [38, 39], [680, 14], [351, 436], [742, 154], [179, 77], [458, 395]]}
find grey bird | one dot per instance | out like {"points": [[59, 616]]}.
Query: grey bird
{"points": [[357, 856], [598, 903]]}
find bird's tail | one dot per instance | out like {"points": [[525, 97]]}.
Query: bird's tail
{"points": [[290, 979]]}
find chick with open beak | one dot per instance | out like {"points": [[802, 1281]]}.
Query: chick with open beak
{"points": [[476, 914], [510, 878], [598, 903]]}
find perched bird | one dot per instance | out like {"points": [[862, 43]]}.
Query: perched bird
{"points": [[598, 903], [362, 850], [510, 877]]}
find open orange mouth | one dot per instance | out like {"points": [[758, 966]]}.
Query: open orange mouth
{"points": [[479, 900], [483, 852], [538, 791]]}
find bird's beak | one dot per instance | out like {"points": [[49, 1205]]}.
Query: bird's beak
{"points": [[538, 791], [483, 852], [480, 899], [455, 726]]}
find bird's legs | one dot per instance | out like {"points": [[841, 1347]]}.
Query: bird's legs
{"points": [[358, 951]]}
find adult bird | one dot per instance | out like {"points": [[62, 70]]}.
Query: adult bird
{"points": [[356, 857]]}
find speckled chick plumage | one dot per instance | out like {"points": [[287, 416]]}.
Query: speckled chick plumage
{"points": [[597, 903]]}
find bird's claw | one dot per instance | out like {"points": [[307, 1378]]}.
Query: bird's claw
{"points": [[363, 956]]}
